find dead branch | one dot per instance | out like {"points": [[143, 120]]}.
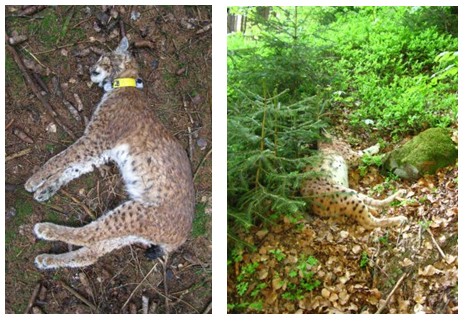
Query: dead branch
{"points": [[122, 29], [60, 47], [47, 107], [441, 252], [22, 135], [72, 110], [78, 296], [204, 29], [143, 43], [79, 103], [16, 38], [41, 83], [145, 306], [208, 308], [18, 154], [82, 205], [9, 124], [31, 10], [386, 302], [201, 163], [86, 284], [33, 297], [139, 285], [164, 268], [190, 144]]}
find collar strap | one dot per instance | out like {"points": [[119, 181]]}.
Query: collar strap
{"points": [[127, 82]]}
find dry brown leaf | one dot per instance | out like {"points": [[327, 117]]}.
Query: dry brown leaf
{"points": [[429, 271]]}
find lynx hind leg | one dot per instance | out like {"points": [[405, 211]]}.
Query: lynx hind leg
{"points": [[82, 257], [380, 203], [363, 214], [123, 221], [350, 203], [127, 224]]}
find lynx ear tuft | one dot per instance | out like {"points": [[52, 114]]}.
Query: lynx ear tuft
{"points": [[123, 46]]}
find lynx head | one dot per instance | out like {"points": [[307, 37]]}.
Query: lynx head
{"points": [[113, 65]]}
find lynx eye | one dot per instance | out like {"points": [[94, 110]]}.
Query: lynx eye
{"points": [[95, 73]]}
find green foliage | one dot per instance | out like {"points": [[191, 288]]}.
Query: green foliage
{"points": [[396, 66], [278, 254], [425, 224], [384, 240], [393, 71], [247, 271], [53, 27], [242, 287], [364, 260], [282, 55], [245, 276], [387, 70], [200, 220], [303, 279], [269, 143]]}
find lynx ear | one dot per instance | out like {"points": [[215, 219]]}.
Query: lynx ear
{"points": [[123, 46]]}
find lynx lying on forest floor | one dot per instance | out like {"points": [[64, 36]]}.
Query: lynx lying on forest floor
{"points": [[329, 194], [154, 166]]}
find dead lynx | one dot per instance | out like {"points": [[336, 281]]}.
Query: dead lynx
{"points": [[154, 167], [329, 194]]}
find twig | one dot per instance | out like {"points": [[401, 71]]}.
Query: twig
{"points": [[145, 306], [386, 302], [72, 110], [47, 107], [9, 124], [434, 240], [18, 154], [122, 29], [39, 81], [190, 144], [22, 135], [60, 47], [139, 285], [31, 10], [436, 244], [78, 296], [201, 163], [208, 308], [83, 206], [164, 268], [32, 300], [36, 59]]}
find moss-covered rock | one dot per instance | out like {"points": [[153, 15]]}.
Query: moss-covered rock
{"points": [[423, 154]]}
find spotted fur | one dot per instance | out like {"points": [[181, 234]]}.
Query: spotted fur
{"points": [[154, 167], [329, 194]]}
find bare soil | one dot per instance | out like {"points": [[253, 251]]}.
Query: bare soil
{"points": [[173, 47]]}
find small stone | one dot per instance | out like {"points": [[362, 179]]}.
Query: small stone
{"points": [[51, 128], [11, 212], [202, 143]]}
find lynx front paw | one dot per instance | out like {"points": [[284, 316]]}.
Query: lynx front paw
{"points": [[43, 193], [45, 261], [33, 183], [43, 184], [46, 231]]}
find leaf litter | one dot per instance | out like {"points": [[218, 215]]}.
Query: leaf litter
{"points": [[356, 270]]}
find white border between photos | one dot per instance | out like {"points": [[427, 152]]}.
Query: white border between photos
{"points": [[219, 162]]}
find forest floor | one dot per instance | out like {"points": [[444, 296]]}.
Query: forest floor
{"points": [[173, 48], [316, 265]]}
